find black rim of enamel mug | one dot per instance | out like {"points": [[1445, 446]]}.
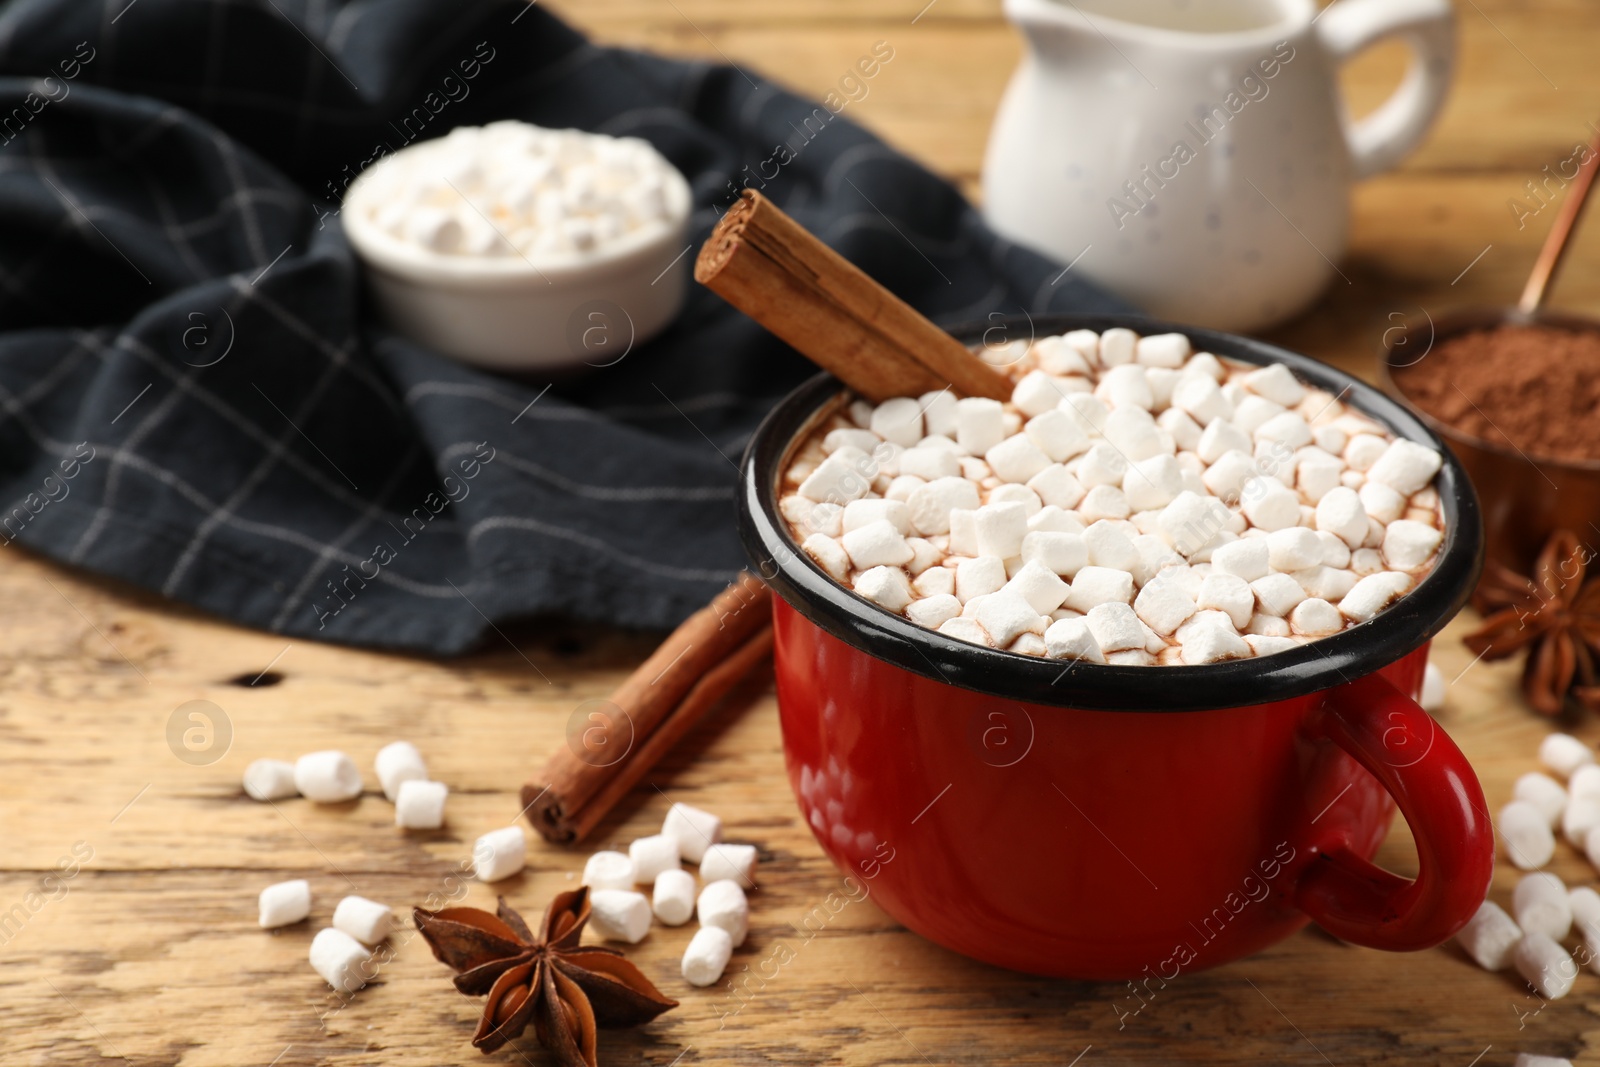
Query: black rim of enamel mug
{"points": [[1315, 666]]}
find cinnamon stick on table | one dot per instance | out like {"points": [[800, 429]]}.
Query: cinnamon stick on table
{"points": [[774, 270], [655, 707]]}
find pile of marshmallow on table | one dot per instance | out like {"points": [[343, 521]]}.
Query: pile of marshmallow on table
{"points": [[1544, 912], [510, 188], [1134, 503]]}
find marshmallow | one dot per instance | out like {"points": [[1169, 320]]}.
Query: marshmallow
{"points": [[840, 478], [1006, 615], [1039, 586], [1058, 435], [1381, 502], [707, 955], [284, 903], [1528, 1059], [652, 855], [1000, 529], [1227, 477], [887, 587], [327, 777], [1316, 476], [1263, 645], [1219, 438], [964, 629], [1585, 781], [1071, 639], [1581, 816], [1199, 396], [898, 421], [1056, 486], [1126, 386], [1062, 553], [499, 854], [1340, 512], [877, 544], [1116, 628], [933, 582], [1152, 483], [1268, 504], [1109, 547], [932, 504], [924, 554], [1405, 466], [1433, 688], [1277, 594], [1247, 559], [1293, 549], [734, 862], [1184, 431], [610, 871], [829, 554], [1250, 412], [1036, 393], [1117, 346], [1162, 605], [1099, 585], [1540, 905], [1314, 617], [397, 762], [939, 412], [1277, 383], [1227, 593], [365, 920], [1564, 753], [269, 779], [723, 904], [1489, 937], [1208, 642], [1133, 433], [419, 805], [980, 424], [696, 830], [1374, 593], [342, 961], [1162, 350], [859, 513], [1544, 793], [934, 611], [1529, 842], [1545, 965], [979, 576], [672, 898], [1287, 429], [1585, 905], [619, 915], [865, 440], [929, 463]]}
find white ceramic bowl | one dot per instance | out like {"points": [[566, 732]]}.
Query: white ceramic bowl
{"points": [[527, 312]]}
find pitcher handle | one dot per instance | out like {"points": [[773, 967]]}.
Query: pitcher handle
{"points": [[1431, 781], [1385, 137]]}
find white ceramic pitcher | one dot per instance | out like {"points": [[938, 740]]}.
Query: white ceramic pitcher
{"points": [[1194, 156]]}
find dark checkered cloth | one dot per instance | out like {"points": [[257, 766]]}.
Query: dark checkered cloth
{"points": [[196, 400]]}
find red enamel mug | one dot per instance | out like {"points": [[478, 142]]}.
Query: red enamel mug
{"points": [[1093, 821]]}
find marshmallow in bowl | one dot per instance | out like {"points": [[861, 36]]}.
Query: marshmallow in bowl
{"points": [[514, 189], [1135, 502]]}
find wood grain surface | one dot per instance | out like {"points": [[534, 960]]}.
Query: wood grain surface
{"points": [[149, 953]]}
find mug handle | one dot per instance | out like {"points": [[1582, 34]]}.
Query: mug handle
{"points": [[1437, 792], [1385, 137]]}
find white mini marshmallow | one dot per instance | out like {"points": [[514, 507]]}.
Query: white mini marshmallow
{"points": [[1263, 645], [1314, 617], [1545, 965], [707, 955], [284, 903], [1109, 546], [1268, 626], [1246, 558], [841, 477], [979, 576], [829, 555], [734, 862], [1058, 435], [1163, 605], [1287, 429], [934, 582], [419, 805], [865, 440], [696, 830], [877, 544], [672, 897], [932, 504], [343, 962], [1433, 688], [1277, 383], [1277, 594], [980, 424], [1219, 438], [1117, 346], [968, 630], [1116, 628], [859, 513], [1071, 639], [723, 904], [1207, 642], [888, 587], [1035, 393], [1269, 504], [1405, 466], [1540, 905], [1133, 433], [1528, 840], [1528, 1059], [652, 855], [1006, 615], [327, 777], [1056, 486], [1039, 586], [934, 611], [939, 412], [1407, 545], [1062, 553], [1001, 528], [1250, 412], [1316, 477], [1016, 459], [1580, 817], [1544, 793], [609, 870], [1293, 549], [1099, 585], [396, 762], [1227, 593], [1374, 593], [1564, 753], [368, 921], [1199, 397], [1162, 350], [619, 915], [898, 421], [1489, 937], [270, 779], [499, 854], [1585, 905], [1126, 386], [1152, 483], [929, 463], [1341, 513]]}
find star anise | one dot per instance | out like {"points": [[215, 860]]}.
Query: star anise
{"points": [[563, 988], [1554, 614]]}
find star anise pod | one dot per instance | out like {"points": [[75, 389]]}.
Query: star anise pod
{"points": [[563, 988], [1554, 614]]}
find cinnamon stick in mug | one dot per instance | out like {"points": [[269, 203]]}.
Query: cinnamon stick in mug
{"points": [[662, 700], [776, 271]]}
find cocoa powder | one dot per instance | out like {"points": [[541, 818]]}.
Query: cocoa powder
{"points": [[1534, 388]]}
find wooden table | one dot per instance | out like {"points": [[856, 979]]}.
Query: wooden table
{"points": [[150, 954]]}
